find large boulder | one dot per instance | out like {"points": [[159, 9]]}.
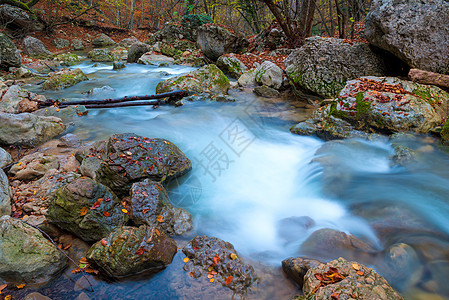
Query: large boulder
{"points": [[27, 129], [217, 259], [208, 79], [126, 158], [150, 205], [215, 41], [17, 20], [127, 42], [77, 44], [87, 209], [102, 40], [130, 250], [60, 43], [15, 99], [324, 65], [9, 55], [102, 55], [269, 74], [150, 58], [296, 268], [414, 31], [34, 47], [341, 279], [5, 195], [231, 65], [136, 50], [64, 79], [388, 104], [25, 255], [68, 59]]}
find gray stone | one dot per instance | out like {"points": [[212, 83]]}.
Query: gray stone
{"points": [[63, 79], [34, 166], [324, 65], [27, 129], [68, 59], [215, 41], [415, 31], [25, 255], [101, 92], [265, 91], [102, 55], [136, 50], [127, 42], [296, 268], [150, 58], [17, 20], [60, 43], [77, 44], [269, 74], [103, 40], [231, 65], [36, 296], [117, 65], [9, 55], [5, 195], [5, 158], [34, 47], [248, 78]]}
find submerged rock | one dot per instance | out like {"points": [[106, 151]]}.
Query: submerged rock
{"points": [[357, 281], [87, 209], [129, 250], [209, 79], [25, 255], [64, 79], [27, 129], [126, 158], [150, 205], [212, 256], [323, 65]]}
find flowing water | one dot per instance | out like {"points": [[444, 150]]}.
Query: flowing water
{"points": [[253, 183]]}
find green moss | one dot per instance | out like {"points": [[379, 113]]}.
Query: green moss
{"points": [[424, 94], [445, 131]]}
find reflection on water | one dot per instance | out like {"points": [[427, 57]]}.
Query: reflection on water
{"points": [[265, 190]]}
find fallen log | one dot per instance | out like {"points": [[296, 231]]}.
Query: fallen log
{"points": [[155, 103], [426, 77], [94, 103]]}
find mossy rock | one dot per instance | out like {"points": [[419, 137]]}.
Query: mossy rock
{"points": [[231, 65], [78, 209], [64, 79], [206, 79], [170, 51], [103, 55], [68, 59]]}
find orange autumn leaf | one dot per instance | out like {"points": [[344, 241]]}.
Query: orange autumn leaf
{"points": [[106, 214], [140, 251], [8, 297], [360, 273], [210, 276], [104, 242], [229, 280], [160, 219], [216, 259], [75, 271], [2, 287], [83, 211], [124, 210], [20, 286], [158, 233]]}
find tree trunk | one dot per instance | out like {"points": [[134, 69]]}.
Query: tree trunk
{"points": [[426, 77]]}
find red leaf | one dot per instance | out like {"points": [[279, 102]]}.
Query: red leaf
{"points": [[217, 259], [106, 214], [229, 280], [140, 251], [104, 242]]}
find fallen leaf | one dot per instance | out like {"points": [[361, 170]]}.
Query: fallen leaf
{"points": [[140, 251], [83, 260], [210, 269], [356, 266], [216, 259], [191, 274], [68, 246], [83, 211], [186, 259], [8, 297], [158, 233], [210, 276], [160, 219], [229, 280], [90, 271], [106, 214], [104, 242], [233, 256], [145, 211], [75, 271], [211, 280], [124, 210], [2, 287], [360, 273]]}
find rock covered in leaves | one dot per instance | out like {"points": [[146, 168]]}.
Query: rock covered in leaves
{"points": [[389, 104], [415, 31], [269, 74], [25, 255], [64, 79], [34, 166], [126, 158], [130, 250], [209, 79], [218, 260], [215, 41], [232, 65], [10, 57], [28, 129], [341, 279], [150, 205], [323, 65], [87, 209]]}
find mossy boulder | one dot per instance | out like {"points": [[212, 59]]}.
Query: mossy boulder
{"points": [[25, 255], [102, 55], [129, 251], [231, 65], [68, 59], [124, 159], [388, 104], [87, 209], [269, 74], [169, 50], [64, 79], [206, 79]]}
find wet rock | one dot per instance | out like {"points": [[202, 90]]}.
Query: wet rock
{"points": [[127, 42], [36, 296], [64, 79], [269, 74], [34, 166], [102, 40], [103, 92], [68, 59], [27, 129], [402, 261], [231, 65], [359, 282], [65, 114], [34, 47], [209, 97], [150, 58], [129, 250], [208, 79], [136, 50], [23, 73], [25, 255], [13, 96], [5, 158], [126, 158], [150, 205], [215, 41], [413, 31], [27, 106], [60, 43], [403, 155], [212, 256], [117, 65], [77, 44], [102, 55], [266, 91], [323, 65], [293, 229], [296, 268], [78, 209], [327, 243], [388, 104], [69, 141], [248, 78], [10, 56], [5, 195]]}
